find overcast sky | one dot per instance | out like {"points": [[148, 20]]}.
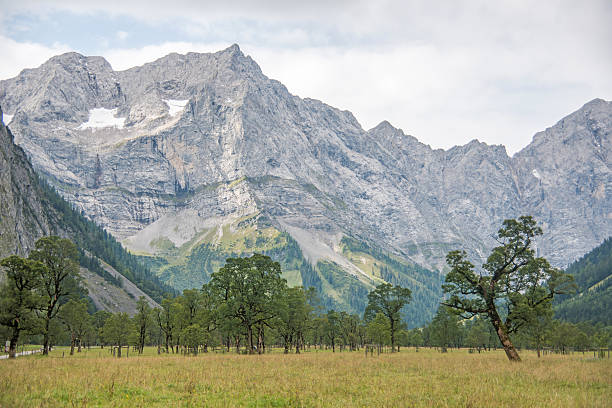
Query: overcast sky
{"points": [[446, 72]]}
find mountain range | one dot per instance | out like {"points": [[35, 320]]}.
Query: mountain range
{"points": [[193, 158]]}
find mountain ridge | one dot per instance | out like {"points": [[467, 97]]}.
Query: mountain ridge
{"points": [[195, 145]]}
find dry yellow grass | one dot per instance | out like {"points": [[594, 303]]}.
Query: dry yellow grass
{"points": [[426, 378]]}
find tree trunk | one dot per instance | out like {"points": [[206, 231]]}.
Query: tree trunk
{"points": [[250, 338], [500, 328], [259, 340], [263, 342], [72, 343], [392, 335], [14, 341], [46, 337]]}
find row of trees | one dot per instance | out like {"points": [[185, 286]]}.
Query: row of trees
{"points": [[248, 306], [247, 303], [449, 330]]}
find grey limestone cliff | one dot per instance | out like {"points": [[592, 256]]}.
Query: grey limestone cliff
{"points": [[23, 217]]}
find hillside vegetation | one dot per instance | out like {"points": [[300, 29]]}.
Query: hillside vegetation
{"points": [[94, 242], [30, 209], [191, 265], [593, 276]]}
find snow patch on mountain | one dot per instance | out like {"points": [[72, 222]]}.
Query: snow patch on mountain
{"points": [[100, 118], [6, 119], [536, 174], [175, 105]]}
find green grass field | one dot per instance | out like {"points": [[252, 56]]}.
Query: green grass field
{"points": [[312, 379]]}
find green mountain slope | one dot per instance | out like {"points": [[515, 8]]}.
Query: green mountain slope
{"points": [[191, 265], [593, 276]]}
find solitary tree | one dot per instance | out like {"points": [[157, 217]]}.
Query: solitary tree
{"points": [[415, 338], [537, 331], [98, 320], [332, 328], [444, 329], [192, 337], [512, 288], [350, 328], [388, 300], [165, 319], [294, 313], [378, 330], [478, 334], [58, 279], [18, 298]]}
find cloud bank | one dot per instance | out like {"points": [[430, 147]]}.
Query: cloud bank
{"points": [[446, 72]]}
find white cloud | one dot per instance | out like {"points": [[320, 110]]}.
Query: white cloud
{"points": [[19, 55], [446, 73], [122, 35]]}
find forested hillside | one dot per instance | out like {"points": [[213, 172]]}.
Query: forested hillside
{"points": [[193, 263], [97, 242], [593, 276]]}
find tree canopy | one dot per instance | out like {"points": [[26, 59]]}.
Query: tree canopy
{"points": [[512, 288], [388, 300], [18, 298], [250, 288]]}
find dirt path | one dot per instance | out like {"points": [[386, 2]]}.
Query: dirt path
{"points": [[23, 353]]}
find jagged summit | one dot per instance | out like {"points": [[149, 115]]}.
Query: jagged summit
{"points": [[590, 124], [384, 126]]}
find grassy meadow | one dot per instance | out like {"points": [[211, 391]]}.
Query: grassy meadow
{"points": [[312, 379]]}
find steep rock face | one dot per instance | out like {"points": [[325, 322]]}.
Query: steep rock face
{"points": [[23, 218], [190, 145], [565, 179]]}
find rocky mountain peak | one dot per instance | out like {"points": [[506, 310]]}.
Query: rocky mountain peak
{"points": [[71, 60], [384, 127], [593, 118], [198, 142]]}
